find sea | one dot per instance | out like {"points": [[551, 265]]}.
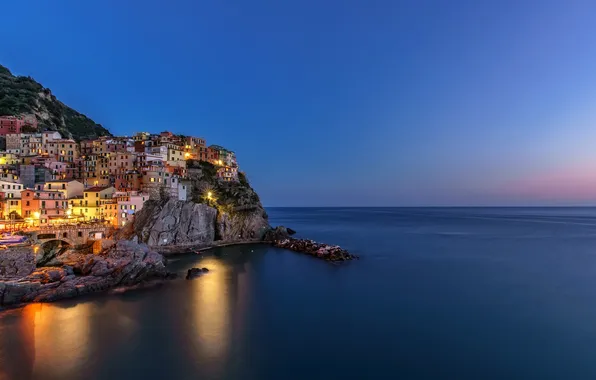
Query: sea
{"points": [[439, 293]]}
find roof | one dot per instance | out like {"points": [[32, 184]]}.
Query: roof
{"points": [[62, 181], [96, 189]]}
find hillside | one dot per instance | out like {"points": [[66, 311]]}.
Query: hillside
{"points": [[23, 95]]}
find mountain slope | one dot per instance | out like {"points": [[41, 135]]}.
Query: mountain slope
{"points": [[23, 95]]}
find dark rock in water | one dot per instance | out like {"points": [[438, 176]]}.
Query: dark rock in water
{"points": [[276, 234], [291, 231], [195, 272]]}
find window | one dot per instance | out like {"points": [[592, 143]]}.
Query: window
{"points": [[124, 215], [27, 203], [43, 204], [79, 234], [56, 203], [96, 195], [63, 186], [49, 186], [86, 195]]}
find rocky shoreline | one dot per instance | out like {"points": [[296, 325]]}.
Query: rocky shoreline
{"points": [[126, 264]]}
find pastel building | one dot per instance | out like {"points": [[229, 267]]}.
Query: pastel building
{"points": [[129, 203], [14, 124], [70, 188], [11, 189], [43, 206], [92, 204]]}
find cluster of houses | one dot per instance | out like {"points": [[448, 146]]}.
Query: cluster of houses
{"points": [[46, 179]]}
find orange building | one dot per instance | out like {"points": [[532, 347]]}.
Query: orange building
{"points": [[42, 206]]}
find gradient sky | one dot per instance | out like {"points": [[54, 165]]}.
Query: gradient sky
{"points": [[339, 102]]}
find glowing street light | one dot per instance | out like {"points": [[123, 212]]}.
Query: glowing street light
{"points": [[36, 214], [209, 195]]}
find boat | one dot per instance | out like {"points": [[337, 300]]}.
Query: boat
{"points": [[8, 239]]}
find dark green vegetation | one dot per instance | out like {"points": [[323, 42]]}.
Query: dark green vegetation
{"points": [[229, 196], [23, 95]]}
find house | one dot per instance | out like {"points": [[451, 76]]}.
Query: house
{"points": [[43, 205], [184, 187], [129, 203], [121, 162], [70, 188], [91, 204], [11, 189]]}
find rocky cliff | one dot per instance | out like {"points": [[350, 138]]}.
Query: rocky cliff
{"points": [[218, 213], [174, 225]]}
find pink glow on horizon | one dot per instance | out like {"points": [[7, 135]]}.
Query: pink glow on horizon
{"points": [[568, 184]]}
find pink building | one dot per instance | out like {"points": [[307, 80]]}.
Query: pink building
{"points": [[129, 203], [14, 124]]}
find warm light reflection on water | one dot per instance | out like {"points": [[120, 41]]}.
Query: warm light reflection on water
{"points": [[190, 326], [212, 310], [46, 335], [67, 328]]}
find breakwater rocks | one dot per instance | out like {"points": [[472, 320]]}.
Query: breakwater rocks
{"points": [[319, 250], [125, 264]]}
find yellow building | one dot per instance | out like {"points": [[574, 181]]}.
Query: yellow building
{"points": [[91, 204]]}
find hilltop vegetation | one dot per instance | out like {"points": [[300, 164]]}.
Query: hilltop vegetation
{"points": [[23, 95]]}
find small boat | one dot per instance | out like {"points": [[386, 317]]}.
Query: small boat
{"points": [[7, 239], [197, 252]]}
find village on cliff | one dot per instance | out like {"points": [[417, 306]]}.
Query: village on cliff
{"points": [[47, 180]]}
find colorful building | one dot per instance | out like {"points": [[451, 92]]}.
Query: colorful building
{"points": [[129, 203], [91, 204], [14, 124], [70, 188]]}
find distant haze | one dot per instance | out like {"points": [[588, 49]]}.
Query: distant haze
{"points": [[339, 102]]}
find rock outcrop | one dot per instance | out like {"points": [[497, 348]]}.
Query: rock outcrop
{"points": [[176, 226], [124, 264], [175, 223], [16, 262], [245, 225]]}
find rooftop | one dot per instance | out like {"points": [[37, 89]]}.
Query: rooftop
{"points": [[96, 189]]}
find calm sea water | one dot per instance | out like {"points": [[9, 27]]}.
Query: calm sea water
{"points": [[439, 294]]}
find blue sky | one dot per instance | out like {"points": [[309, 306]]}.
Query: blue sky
{"points": [[339, 103]]}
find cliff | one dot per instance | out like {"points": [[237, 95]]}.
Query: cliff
{"points": [[178, 225], [23, 95], [219, 213]]}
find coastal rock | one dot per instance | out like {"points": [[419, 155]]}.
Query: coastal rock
{"points": [[176, 223], [245, 225], [124, 264], [291, 231], [175, 226], [16, 262], [195, 272], [276, 234], [47, 254]]}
